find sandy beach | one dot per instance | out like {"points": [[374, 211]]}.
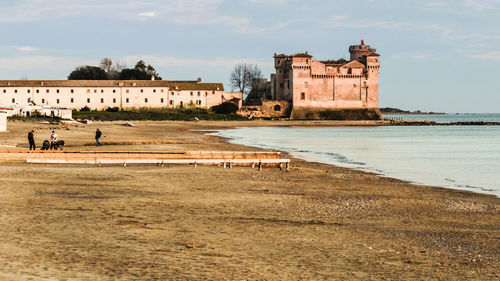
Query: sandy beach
{"points": [[315, 222]]}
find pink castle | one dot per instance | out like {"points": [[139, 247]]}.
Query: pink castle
{"points": [[313, 87]]}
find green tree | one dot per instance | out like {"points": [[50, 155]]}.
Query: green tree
{"points": [[88, 73]]}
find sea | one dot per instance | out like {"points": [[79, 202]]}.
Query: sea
{"points": [[458, 157]]}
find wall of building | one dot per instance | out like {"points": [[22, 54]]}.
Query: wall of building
{"points": [[332, 84], [3, 121], [104, 94], [266, 109]]}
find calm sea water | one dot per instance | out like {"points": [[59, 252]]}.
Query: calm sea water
{"points": [[460, 157]]}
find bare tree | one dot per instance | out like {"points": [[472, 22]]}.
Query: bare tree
{"points": [[242, 76], [106, 64]]}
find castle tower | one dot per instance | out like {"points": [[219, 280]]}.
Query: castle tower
{"points": [[372, 68], [358, 51]]}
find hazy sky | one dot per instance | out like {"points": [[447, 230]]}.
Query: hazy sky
{"points": [[440, 55]]}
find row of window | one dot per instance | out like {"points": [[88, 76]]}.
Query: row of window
{"points": [[127, 100], [72, 91], [47, 91]]}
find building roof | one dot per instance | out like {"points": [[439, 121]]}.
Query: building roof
{"points": [[181, 85], [196, 86], [372, 54], [83, 83], [302, 55], [354, 64], [334, 62]]}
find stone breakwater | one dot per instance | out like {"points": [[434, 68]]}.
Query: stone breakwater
{"points": [[434, 123]]}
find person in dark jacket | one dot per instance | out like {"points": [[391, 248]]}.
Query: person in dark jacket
{"points": [[98, 135], [31, 140]]}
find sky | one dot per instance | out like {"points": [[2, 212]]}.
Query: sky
{"points": [[436, 55]]}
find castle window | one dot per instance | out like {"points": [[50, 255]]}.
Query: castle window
{"points": [[57, 91], [13, 100], [102, 100], [47, 91], [102, 91], [302, 96], [43, 100], [142, 90], [191, 102], [146, 100], [191, 93], [161, 100], [88, 91], [37, 91], [154, 90], [277, 107], [171, 102], [161, 90], [57, 101], [172, 93], [4, 91], [126, 100], [72, 91], [114, 100], [199, 93], [29, 91], [72, 100], [88, 100], [198, 102], [114, 91], [95, 91], [126, 91]]}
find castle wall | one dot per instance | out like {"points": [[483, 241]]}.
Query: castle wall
{"points": [[332, 84]]}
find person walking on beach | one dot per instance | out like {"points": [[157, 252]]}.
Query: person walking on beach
{"points": [[31, 140], [98, 135], [53, 140]]}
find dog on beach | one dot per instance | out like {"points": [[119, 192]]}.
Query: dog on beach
{"points": [[45, 145], [58, 145]]}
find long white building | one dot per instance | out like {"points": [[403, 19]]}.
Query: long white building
{"points": [[101, 94]]}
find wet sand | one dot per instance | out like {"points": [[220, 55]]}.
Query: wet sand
{"points": [[314, 222]]}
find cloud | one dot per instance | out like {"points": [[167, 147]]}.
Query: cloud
{"points": [[50, 63], [25, 48], [147, 14], [272, 2], [493, 56], [181, 12], [412, 56], [436, 4], [482, 5], [46, 63], [165, 61]]}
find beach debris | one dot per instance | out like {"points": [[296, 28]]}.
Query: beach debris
{"points": [[85, 121], [129, 124]]}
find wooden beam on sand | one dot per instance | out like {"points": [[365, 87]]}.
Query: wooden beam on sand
{"points": [[161, 162], [89, 155]]}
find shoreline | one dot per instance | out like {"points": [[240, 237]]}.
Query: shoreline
{"points": [[338, 165], [315, 222]]}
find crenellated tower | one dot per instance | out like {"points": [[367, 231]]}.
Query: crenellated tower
{"points": [[359, 51]]}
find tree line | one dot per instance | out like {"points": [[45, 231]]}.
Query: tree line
{"points": [[108, 70]]}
